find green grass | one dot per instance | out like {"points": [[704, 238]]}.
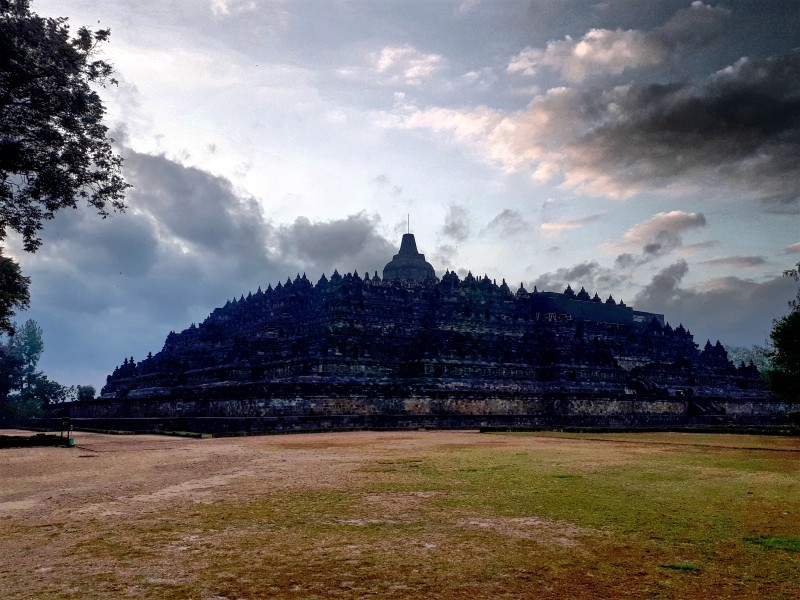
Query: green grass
{"points": [[789, 543], [682, 567]]}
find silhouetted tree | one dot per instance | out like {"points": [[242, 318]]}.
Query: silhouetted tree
{"points": [[53, 144], [28, 343], [785, 375], [32, 389], [85, 392], [13, 292], [10, 371]]}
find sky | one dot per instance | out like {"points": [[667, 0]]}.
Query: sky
{"points": [[645, 150]]}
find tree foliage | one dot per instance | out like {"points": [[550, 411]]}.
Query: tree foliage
{"points": [[13, 292], [785, 375], [758, 355], [53, 145], [24, 390], [85, 392], [28, 343], [10, 371]]}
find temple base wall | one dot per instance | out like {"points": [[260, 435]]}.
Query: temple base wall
{"points": [[289, 409]]}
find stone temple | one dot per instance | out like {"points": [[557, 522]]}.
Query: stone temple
{"points": [[412, 350]]}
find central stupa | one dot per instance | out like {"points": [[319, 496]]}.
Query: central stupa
{"points": [[408, 264]]}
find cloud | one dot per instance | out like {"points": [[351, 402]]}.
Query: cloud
{"points": [[348, 244], [222, 222], [664, 288], [573, 224], [737, 130], [657, 236], [792, 248], [272, 10], [456, 223], [397, 65], [588, 274], [508, 222], [611, 52], [735, 261], [445, 255], [690, 249], [731, 309], [468, 6], [103, 289], [672, 223], [383, 182], [108, 288]]}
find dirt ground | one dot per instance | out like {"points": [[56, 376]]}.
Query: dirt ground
{"points": [[380, 514]]}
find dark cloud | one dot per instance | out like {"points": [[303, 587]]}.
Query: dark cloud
{"points": [[350, 244], [731, 309], [508, 222], [456, 223], [736, 131], [659, 236], [664, 286], [103, 289], [191, 207], [741, 127], [589, 275], [444, 257]]}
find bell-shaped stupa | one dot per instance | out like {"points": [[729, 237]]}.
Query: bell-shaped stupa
{"points": [[408, 264]]}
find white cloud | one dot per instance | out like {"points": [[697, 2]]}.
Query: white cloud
{"points": [[598, 51], [397, 65], [552, 227], [611, 52], [468, 6], [276, 9]]}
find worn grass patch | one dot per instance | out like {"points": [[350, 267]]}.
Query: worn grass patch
{"points": [[428, 514], [683, 567]]}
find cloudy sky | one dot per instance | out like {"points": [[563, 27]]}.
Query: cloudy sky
{"points": [[647, 150]]}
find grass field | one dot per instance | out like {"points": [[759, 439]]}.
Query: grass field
{"points": [[403, 514]]}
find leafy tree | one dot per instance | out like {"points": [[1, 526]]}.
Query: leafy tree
{"points": [[758, 355], [785, 375], [13, 292], [85, 392], [53, 144], [10, 371], [28, 343], [24, 390]]}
